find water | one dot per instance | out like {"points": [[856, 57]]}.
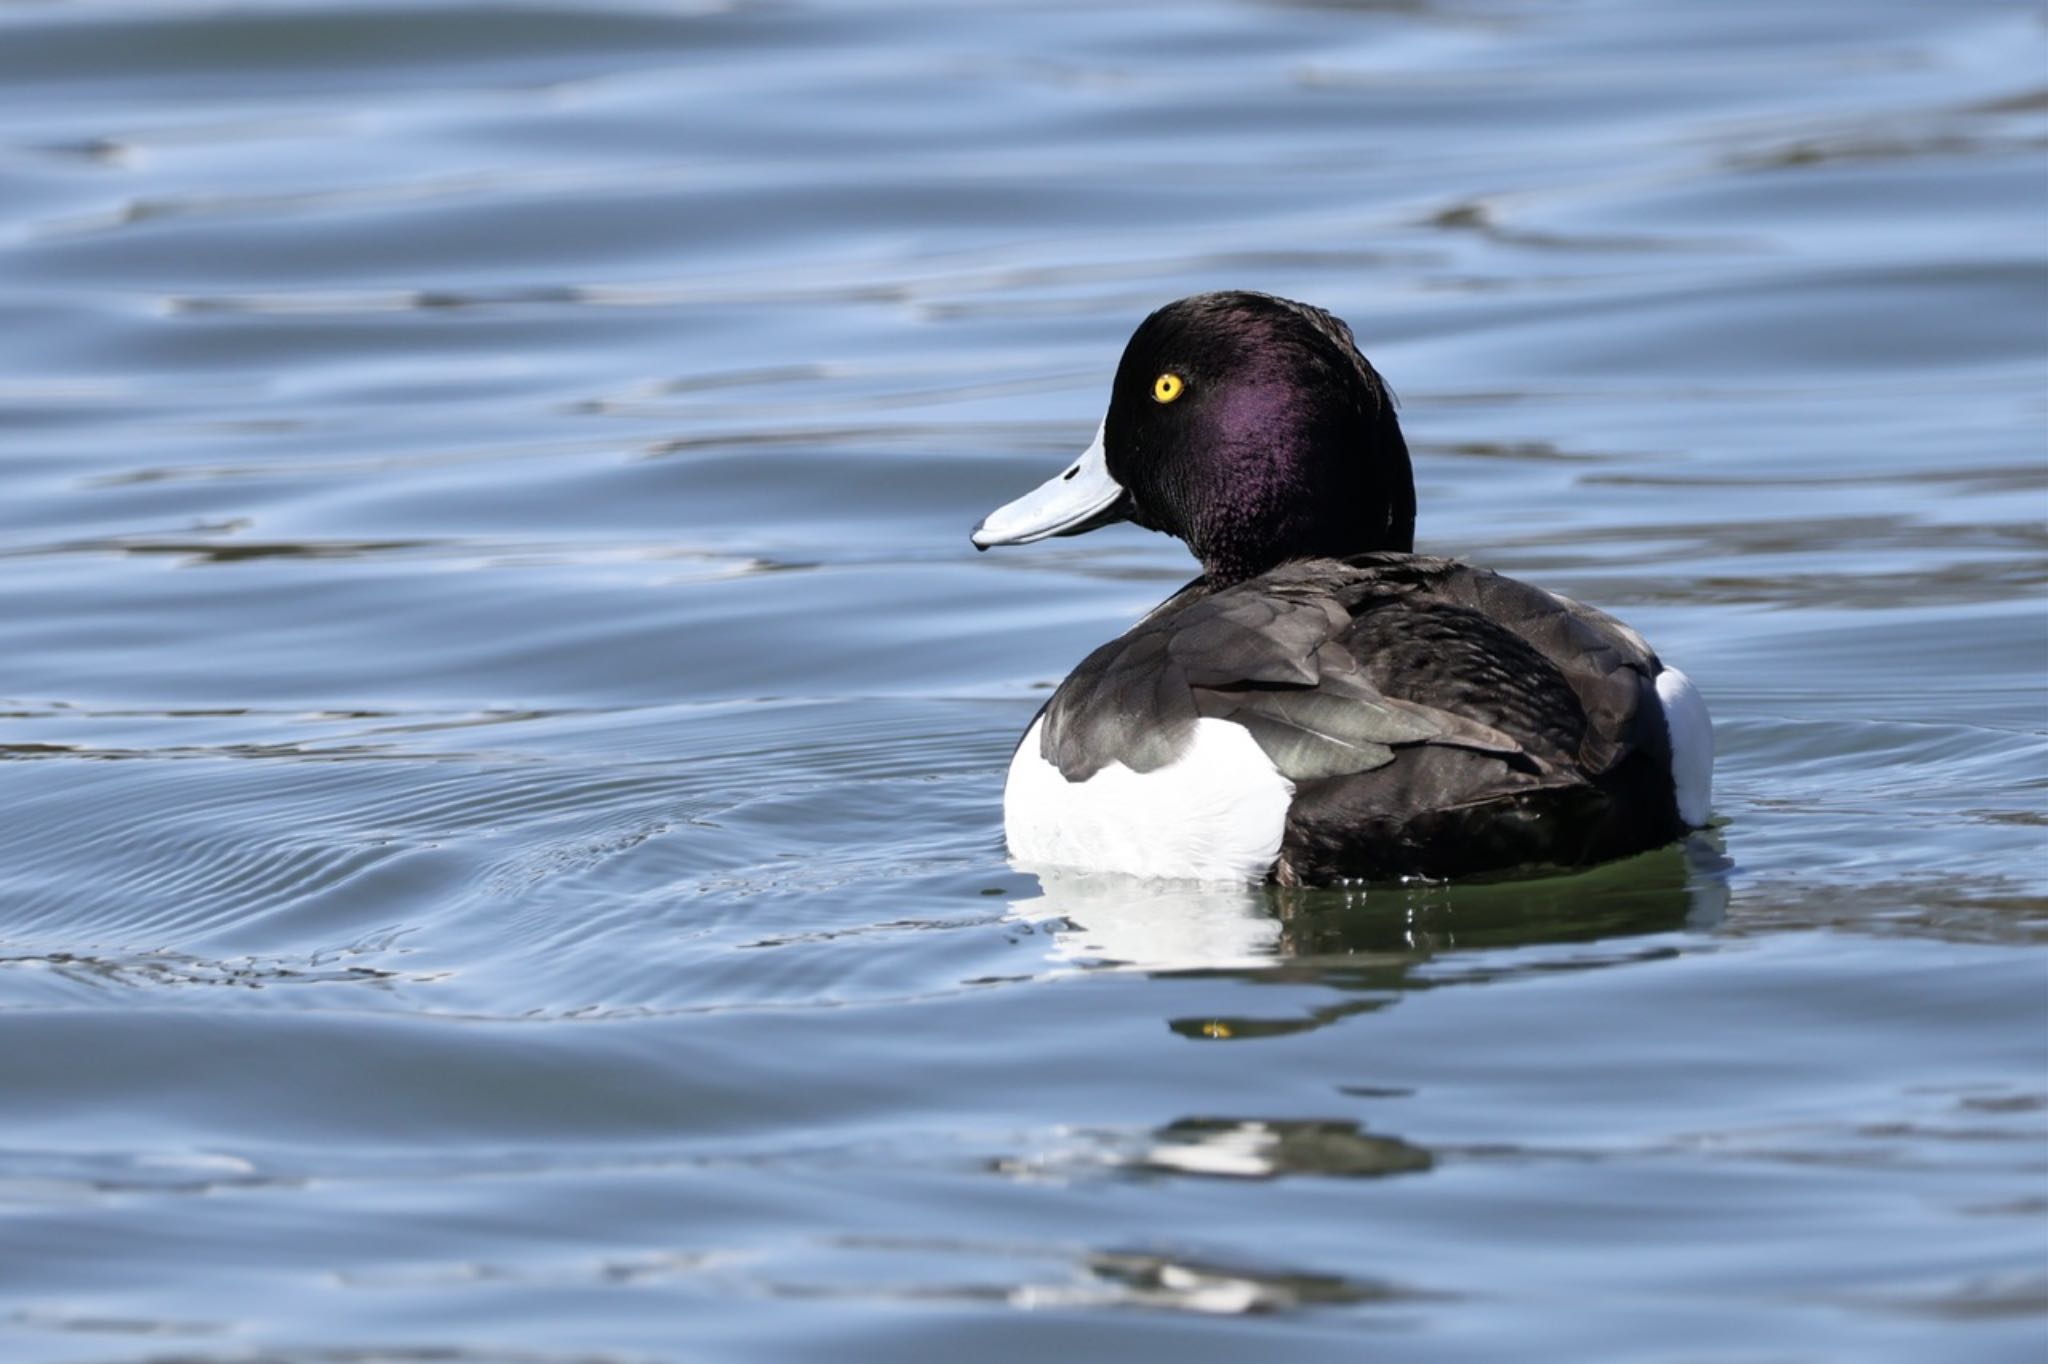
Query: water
{"points": [[503, 728]]}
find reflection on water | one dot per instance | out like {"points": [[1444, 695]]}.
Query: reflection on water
{"points": [[1034, 1279], [1109, 920], [1254, 1148], [1128, 921], [1192, 1286]]}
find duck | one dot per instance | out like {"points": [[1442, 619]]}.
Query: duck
{"points": [[1323, 705]]}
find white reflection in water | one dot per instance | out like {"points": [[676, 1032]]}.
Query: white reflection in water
{"points": [[1104, 919]]}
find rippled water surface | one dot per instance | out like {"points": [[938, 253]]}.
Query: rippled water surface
{"points": [[503, 729]]}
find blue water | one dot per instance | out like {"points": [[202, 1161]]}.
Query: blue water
{"points": [[503, 730]]}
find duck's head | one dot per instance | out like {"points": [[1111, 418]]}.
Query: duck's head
{"points": [[1248, 426]]}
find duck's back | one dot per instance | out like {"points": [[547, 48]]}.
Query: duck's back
{"points": [[1418, 715]]}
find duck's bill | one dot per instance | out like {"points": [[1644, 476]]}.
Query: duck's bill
{"points": [[1078, 499]]}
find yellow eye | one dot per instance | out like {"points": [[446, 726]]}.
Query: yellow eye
{"points": [[1167, 387]]}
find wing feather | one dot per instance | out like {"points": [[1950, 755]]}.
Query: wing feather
{"points": [[1335, 667]]}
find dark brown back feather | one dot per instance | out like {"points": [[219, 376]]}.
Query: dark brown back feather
{"points": [[1436, 718]]}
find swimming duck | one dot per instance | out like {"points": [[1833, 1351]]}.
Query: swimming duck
{"points": [[1323, 704]]}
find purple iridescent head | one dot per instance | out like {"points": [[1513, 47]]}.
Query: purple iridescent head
{"points": [[1248, 426]]}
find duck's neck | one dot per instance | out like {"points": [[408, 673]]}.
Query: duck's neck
{"points": [[1367, 516]]}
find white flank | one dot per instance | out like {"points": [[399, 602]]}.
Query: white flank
{"points": [[1216, 813], [1692, 745]]}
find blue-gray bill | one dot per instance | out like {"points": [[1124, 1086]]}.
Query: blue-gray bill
{"points": [[1079, 499]]}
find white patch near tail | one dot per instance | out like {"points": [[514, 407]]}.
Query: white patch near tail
{"points": [[1692, 745], [1216, 813]]}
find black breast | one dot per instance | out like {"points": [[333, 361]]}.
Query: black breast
{"points": [[1436, 719]]}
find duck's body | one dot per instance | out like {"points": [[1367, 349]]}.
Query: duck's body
{"points": [[1323, 704], [1370, 718]]}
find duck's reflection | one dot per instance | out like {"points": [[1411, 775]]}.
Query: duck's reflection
{"points": [[1110, 920], [1218, 1288], [1100, 920], [1266, 1148]]}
